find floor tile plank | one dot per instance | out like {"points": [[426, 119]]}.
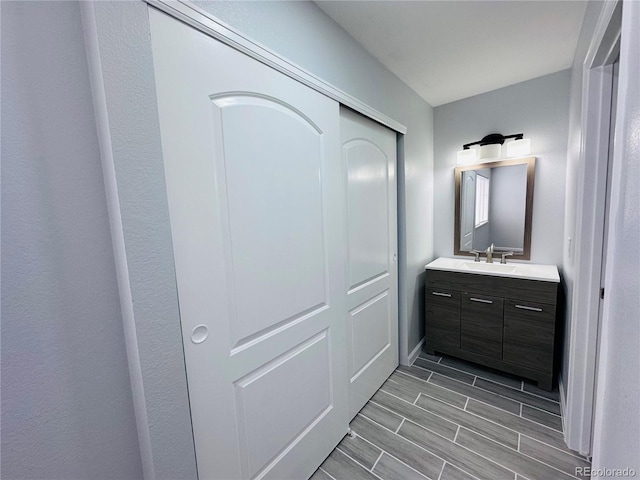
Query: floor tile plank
{"points": [[519, 396], [433, 422], [442, 370], [416, 372], [428, 356], [341, 467], [452, 473], [551, 456], [548, 419], [360, 450], [484, 372], [422, 386], [320, 474], [466, 419], [533, 388], [390, 468], [453, 453], [519, 424], [401, 389], [448, 419], [382, 416], [477, 393], [393, 444], [511, 459]]}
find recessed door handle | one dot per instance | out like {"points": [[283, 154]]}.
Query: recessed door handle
{"points": [[533, 309], [199, 334], [441, 294], [480, 300]]}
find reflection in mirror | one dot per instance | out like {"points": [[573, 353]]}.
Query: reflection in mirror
{"points": [[494, 206]]}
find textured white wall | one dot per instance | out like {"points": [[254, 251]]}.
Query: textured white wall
{"points": [[120, 33], [616, 441], [305, 35], [66, 400], [538, 108]]}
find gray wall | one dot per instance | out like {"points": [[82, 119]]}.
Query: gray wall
{"points": [[66, 398], [538, 108], [305, 35]]}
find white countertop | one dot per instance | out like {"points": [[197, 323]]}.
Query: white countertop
{"points": [[529, 271]]}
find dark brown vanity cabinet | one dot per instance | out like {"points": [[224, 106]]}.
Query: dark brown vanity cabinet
{"points": [[529, 334], [481, 324], [505, 323], [443, 308]]}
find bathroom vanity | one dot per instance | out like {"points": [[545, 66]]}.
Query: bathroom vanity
{"points": [[503, 316]]}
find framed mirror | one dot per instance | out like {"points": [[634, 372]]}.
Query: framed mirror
{"points": [[494, 204]]}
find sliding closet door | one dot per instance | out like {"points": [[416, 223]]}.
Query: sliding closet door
{"points": [[256, 201], [369, 158]]}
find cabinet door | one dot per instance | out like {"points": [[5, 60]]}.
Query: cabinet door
{"points": [[529, 334], [256, 202], [481, 325], [443, 319]]}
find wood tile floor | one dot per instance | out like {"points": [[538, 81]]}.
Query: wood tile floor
{"points": [[446, 419]]}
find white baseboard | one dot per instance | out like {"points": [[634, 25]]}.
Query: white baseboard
{"points": [[416, 351], [563, 406]]}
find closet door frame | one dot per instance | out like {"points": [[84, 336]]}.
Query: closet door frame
{"points": [[118, 45]]}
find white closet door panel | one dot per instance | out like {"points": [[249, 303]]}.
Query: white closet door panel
{"points": [[368, 180], [256, 202], [370, 321], [369, 157], [309, 401], [264, 194]]}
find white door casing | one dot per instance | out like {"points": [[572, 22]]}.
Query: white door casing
{"points": [[256, 197], [369, 157]]}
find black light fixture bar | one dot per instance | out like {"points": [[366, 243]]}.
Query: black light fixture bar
{"points": [[494, 138]]}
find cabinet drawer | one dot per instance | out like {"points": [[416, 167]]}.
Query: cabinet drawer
{"points": [[481, 324], [444, 297], [442, 319], [529, 330], [504, 287]]}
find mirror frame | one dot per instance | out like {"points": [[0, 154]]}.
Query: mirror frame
{"points": [[530, 162]]}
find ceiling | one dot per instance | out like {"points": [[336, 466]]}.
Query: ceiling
{"points": [[449, 50]]}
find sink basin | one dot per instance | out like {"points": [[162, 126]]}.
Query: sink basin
{"points": [[545, 273], [489, 267]]}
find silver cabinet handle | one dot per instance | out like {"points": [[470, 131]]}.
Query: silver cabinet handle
{"points": [[533, 309], [441, 294], [481, 300]]}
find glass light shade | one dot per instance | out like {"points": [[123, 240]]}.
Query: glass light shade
{"points": [[519, 148], [493, 150], [467, 157]]}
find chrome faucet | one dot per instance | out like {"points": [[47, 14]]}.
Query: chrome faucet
{"points": [[505, 255], [490, 254]]}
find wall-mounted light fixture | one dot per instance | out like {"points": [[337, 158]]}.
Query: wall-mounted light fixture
{"points": [[491, 147]]}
